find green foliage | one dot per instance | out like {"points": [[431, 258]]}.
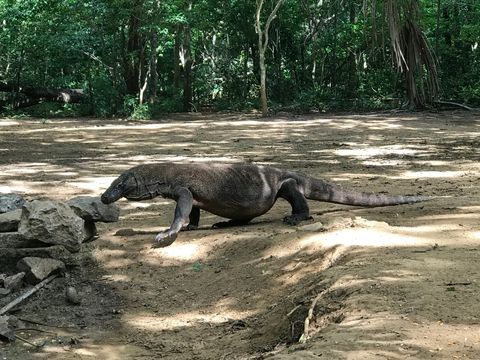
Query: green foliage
{"points": [[136, 110], [48, 110], [322, 55], [104, 97], [169, 104]]}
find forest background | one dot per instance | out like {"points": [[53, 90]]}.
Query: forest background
{"points": [[141, 58]]}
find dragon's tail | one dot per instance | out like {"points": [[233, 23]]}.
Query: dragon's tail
{"points": [[320, 190]]}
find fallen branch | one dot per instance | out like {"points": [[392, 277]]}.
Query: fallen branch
{"points": [[305, 336], [454, 104], [27, 294], [47, 94], [28, 342], [38, 330]]}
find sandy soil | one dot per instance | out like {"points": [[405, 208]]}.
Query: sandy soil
{"points": [[384, 283]]}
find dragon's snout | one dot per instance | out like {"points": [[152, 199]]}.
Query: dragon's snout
{"points": [[104, 198]]}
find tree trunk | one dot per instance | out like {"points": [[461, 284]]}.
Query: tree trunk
{"points": [[263, 84], [142, 77], [153, 67], [186, 60], [352, 59], [187, 70], [412, 54], [45, 94], [262, 47], [133, 51], [176, 56]]}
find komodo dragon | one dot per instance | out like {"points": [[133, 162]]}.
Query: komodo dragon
{"points": [[239, 192]]}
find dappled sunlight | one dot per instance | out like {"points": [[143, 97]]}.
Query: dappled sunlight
{"points": [[22, 187], [458, 216], [234, 287], [92, 184], [111, 258], [185, 319], [117, 277], [8, 122], [183, 252], [390, 335], [372, 151], [430, 174], [364, 237]]}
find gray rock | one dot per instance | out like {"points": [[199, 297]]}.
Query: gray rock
{"points": [[14, 282], [9, 220], [10, 202], [90, 231], [52, 223], [72, 296], [37, 269], [13, 240], [6, 330], [90, 208], [4, 292], [10, 257]]}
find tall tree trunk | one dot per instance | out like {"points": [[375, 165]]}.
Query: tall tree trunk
{"points": [[134, 46], [437, 25], [44, 94], [186, 59], [263, 83], [153, 67], [187, 70], [142, 76], [176, 56], [262, 47], [352, 59]]}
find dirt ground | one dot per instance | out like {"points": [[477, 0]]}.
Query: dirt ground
{"points": [[381, 283]]}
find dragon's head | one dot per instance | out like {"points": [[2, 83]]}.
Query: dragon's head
{"points": [[123, 186]]}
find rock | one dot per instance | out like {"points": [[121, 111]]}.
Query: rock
{"points": [[10, 257], [9, 220], [72, 296], [318, 226], [10, 202], [37, 269], [6, 331], [90, 208], [52, 223], [4, 292], [90, 230], [13, 240], [14, 282]]}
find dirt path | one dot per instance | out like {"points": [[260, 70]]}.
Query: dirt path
{"points": [[389, 283]]}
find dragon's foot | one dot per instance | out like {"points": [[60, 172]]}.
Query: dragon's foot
{"points": [[164, 239], [296, 219]]}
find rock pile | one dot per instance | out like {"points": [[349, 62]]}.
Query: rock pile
{"points": [[40, 237]]}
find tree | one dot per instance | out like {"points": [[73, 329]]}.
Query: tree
{"points": [[412, 52], [262, 47], [143, 57]]}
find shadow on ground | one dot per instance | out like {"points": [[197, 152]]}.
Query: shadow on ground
{"points": [[398, 283]]}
